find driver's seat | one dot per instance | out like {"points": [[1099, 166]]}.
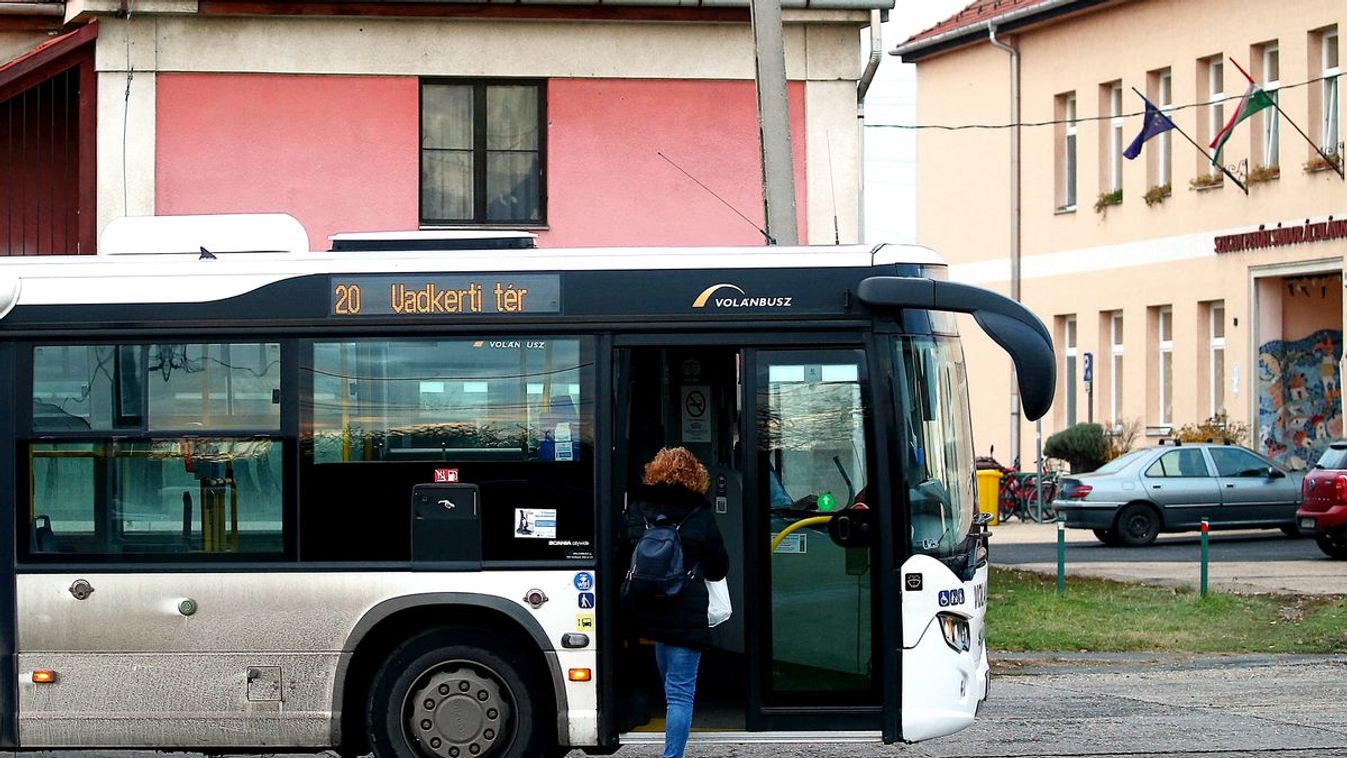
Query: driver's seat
{"points": [[42, 539]]}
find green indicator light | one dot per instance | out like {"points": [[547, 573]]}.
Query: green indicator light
{"points": [[826, 501]]}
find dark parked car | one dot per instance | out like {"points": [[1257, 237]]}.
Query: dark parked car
{"points": [[1323, 512], [1171, 488]]}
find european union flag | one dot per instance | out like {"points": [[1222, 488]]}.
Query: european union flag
{"points": [[1155, 123]]}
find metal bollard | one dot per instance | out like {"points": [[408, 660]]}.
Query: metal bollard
{"points": [[1061, 554], [1205, 528]]}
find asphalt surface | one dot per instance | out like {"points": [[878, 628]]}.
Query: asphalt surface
{"points": [[1245, 561], [1128, 705], [1107, 706]]}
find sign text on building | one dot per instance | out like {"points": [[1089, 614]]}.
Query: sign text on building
{"points": [[1310, 231]]}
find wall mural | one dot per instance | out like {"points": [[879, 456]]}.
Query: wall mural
{"points": [[1300, 397]]}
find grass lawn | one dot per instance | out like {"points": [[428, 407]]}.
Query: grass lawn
{"points": [[1024, 613]]}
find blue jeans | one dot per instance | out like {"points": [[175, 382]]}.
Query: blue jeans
{"points": [[678, 669]]}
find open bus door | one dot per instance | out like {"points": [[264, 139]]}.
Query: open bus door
{"points": [[787, 435]]}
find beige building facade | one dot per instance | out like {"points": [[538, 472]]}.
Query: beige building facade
{"points": [[1190, 298]]}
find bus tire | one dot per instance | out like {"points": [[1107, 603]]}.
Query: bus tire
{"points": [[445, 692]]}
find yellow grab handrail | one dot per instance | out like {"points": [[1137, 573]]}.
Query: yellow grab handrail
{"points": [[812, 520]]}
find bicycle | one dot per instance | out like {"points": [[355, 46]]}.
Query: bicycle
{"points": [[1019, 496]]}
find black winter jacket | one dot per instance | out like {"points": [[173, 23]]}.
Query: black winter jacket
{"points": [[679, 620]]}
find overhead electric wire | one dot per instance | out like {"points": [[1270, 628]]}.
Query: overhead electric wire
{"points": [[1167, 109]]}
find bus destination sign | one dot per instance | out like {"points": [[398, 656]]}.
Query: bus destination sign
{"points": [[445, 295]]}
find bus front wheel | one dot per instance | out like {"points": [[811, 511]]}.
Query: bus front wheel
{"points": [[452, 693]]}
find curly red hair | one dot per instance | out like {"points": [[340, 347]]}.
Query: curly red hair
{"points": [[677, 466]]}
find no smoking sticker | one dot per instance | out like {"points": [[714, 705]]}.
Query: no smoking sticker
{"points": [[696, 416]]}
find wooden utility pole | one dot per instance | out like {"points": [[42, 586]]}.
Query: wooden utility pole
{"points": [[778, 166]]}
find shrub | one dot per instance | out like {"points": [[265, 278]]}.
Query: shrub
{"points": [[1158, 193], [1218, 428], [1317, 163], [1264, 174], [1106, 199], [1081, 445], [1203, 181]]}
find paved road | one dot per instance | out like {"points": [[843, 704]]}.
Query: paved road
{"points": [[1253, 560], [1130, 705], [1108, 706]]}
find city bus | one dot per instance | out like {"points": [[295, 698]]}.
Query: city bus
{"points": [[367, 499]]}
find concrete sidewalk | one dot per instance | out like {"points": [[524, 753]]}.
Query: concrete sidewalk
{"points": [[1240, 561]]}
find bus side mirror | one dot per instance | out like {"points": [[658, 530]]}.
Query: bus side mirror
{"points": [[1012, 326]]}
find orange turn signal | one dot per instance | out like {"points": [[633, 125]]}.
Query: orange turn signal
{"points": [[580, 675], [44, 676]]}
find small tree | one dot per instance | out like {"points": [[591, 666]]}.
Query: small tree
{"points": [[1081, 445], [1122, 437]]}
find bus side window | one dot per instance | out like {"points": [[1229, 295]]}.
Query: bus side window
{"points": [[513, 416], [156, 449]]}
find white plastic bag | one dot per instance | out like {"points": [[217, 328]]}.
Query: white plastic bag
{"points": [[717, 602]]}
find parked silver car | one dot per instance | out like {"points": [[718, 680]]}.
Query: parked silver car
{"points": [[1133, 498]]}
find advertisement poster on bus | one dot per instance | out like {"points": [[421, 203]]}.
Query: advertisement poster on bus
{"points": [[536, 523]]}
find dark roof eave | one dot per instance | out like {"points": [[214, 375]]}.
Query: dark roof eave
{"points": [[47, 59], [977, 32]]}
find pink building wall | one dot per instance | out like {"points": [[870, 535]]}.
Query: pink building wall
{"points": [[340, 154], [336, 152], [609, 186]]}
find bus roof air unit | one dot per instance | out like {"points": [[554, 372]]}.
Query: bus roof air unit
{"points": [[432, 240], [218, 233], [9, 294]]}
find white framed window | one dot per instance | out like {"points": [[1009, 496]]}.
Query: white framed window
{"points": [[1165, 328], [1072, 361], [1216, 358], [1165, 100], [1271, 118], [1216, 100], [1332, 94], [1115, 137], [1115, 367], [1068, 154]]}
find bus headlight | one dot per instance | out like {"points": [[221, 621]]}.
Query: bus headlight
{"points": [[956, 631]]}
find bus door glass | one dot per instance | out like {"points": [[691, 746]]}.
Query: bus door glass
{"points": [[812, 470]]}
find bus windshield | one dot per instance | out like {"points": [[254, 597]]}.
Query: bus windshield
{"points": [[939, 465]]}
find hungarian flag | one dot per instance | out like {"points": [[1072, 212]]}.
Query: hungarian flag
{"points": [[1254, 100], [1156, 122]]}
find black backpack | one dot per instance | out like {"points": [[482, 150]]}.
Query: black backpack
{"points": [[657, 561]]}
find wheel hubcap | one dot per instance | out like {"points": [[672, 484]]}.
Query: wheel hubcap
{"points": [[457, 712]]}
